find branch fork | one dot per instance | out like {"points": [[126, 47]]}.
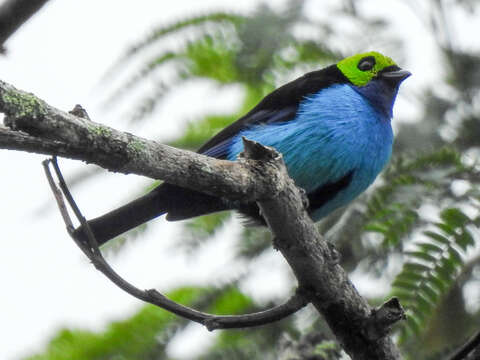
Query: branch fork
{"points": [[92, 251], [260, 176]]}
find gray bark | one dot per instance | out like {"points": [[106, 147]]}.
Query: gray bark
{"points": [[260, 175]]}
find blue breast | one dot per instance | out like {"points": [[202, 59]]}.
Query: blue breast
{"points": [[335, 131]]}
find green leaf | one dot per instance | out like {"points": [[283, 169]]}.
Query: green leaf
{"points": [[455, 217], [377, 227], [438, 283], [429, 248], [416, 267], [411, 276], [134, 338], [406, 285], [424, 305], [404, 294], [446, 228], [445, 270], [231, 302], [429, 293], [437, 237], [413, 324], [160, 32], [421, 255], [455, 256], [464, 240]]}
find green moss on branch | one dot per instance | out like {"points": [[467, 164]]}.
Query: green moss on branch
{"points": [[21, 105]]}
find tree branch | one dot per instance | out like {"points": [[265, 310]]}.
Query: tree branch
{"points": [[259, 175], [38, 127], [13, 14], [152, 296], [315, 264]]}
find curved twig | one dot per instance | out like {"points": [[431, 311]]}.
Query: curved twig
{"points": [[152, 296], [262, 178]]}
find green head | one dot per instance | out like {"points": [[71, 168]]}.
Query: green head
{"points": [[361, 68]]}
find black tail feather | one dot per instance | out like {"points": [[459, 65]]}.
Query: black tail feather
{"points": [[179, 203]]}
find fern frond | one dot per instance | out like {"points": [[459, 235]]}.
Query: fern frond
{"points": [[161, 31], [143, 74], [158, 33], [432, 268], [148, 103], [392, 209]]}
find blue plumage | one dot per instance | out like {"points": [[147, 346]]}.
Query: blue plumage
{"points": [[332, 127], [335, 131]]}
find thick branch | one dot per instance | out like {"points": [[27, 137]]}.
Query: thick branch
{"points": [[13, 14], [152, 296], [315, 264], [260, 175], [47, 130]]}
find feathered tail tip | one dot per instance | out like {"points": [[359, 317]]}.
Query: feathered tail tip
{"points": [[126, 217], [178, 202]]}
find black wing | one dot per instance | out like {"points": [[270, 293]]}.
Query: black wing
{"points": [[279, 106], [219, 145]]}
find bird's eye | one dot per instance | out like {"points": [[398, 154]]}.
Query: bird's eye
{"points": [[367, 63]]}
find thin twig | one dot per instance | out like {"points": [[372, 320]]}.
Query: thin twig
{"points": [[58, 195], [466, 349], [152, 296], [262, 179]]}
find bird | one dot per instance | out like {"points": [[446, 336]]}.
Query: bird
{"points": [[332, 126]]}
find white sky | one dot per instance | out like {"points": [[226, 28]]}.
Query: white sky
{"points": [[59, 56]]}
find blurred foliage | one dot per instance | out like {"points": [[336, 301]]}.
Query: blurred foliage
{"points": [[147, 334], [416, 229], [431, 269], [143, 336]]}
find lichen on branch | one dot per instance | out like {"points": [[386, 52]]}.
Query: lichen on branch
{"points": [[259, 176]]}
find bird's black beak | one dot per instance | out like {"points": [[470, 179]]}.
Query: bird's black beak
{"points": [[394, 75]]}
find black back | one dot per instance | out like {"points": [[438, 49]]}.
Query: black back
{"points": [[280, 105]]}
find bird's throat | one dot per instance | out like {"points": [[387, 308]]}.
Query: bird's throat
{"points": [[380, 94]]}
